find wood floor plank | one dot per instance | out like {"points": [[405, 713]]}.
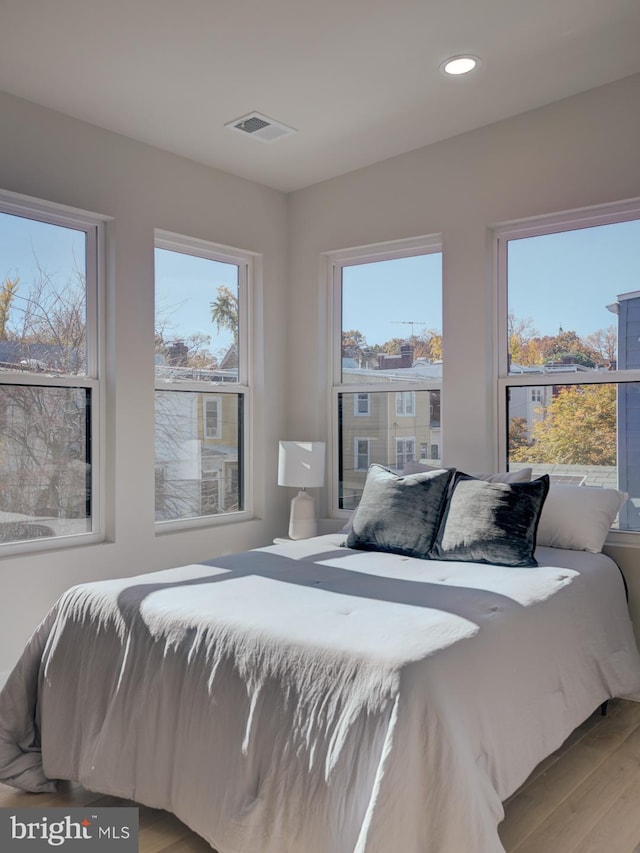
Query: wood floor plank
{"points": [[574, 819], [543, 792], [619, 830]]}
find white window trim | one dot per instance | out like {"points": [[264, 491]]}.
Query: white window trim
{"points": [[333, 264], [248, 264], [94, 226], [605, 214]]}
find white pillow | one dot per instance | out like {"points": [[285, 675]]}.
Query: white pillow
{"points": [[522, 476], [578, 517]]}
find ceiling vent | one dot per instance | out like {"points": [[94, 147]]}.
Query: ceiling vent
{"points": [[260, 127]]}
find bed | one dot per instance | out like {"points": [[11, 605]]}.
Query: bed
{"points": [[308, 697]]}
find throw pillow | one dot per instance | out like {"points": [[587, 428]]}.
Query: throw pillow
{"points": [[399, 514], [491, 522], [579, 517]]}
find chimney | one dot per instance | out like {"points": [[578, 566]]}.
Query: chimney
{"points": [[177, 354], [406, 355]]}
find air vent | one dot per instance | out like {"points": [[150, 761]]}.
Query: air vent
{"points": [[260, 127]]}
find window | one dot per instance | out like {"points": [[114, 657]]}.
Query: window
{"points": [[405, 452], [387, 351], [405, 403], [361, 454], [570, 353], [212, 420], [200, 345], [50, 405], [361, 405]]}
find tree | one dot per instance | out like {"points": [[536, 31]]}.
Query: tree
{"points": [[425, 345], [517, 436], [44, 465], [557, 347], [523, 341], [7, 295], [578, 428], [47, 323], [354, 344], [224, 311], [604, 342], [434, 344]]}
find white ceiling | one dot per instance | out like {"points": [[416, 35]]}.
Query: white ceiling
{"points": [[358, 79]]}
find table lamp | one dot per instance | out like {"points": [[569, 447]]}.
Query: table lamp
{"points": [[301, 464]]}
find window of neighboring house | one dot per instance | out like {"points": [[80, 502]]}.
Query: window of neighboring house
{"points": [[361, 405], [570, 316], [405, 403], [212, 419], [50, 373], [405, 452], [361, 454], [201, 293], [387, 348]]}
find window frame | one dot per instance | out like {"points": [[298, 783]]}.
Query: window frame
{"points": [[246, 262], [334, 263], [94, 227], [606, 214]]}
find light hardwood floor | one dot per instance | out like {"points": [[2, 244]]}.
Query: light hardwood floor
{"points": [[585, 798]]}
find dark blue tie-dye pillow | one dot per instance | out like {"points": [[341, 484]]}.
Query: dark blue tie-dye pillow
{"points": [[491, 522], [399, 514]]}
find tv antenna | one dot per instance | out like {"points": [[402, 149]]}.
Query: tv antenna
{"points": [[411, 323]]}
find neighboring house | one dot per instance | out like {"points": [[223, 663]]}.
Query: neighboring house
{"points": [[196, 445], [627, 309], [388, 427]]}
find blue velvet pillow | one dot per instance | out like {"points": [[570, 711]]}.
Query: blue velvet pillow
{"points": [[491, 522], [399, 514]]}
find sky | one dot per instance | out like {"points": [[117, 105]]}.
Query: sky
{"points": [[567, 279], [185, 288], [559, 280], [25, 243], [393, 298]]}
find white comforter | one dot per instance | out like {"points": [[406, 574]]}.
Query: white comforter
{"points": [[305, 698]]}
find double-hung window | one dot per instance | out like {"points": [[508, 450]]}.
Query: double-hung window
{"points": [[201, 380], [361, 404], [569, 290], [50, 397], [405, 403], [386, 345], [361, 453]]}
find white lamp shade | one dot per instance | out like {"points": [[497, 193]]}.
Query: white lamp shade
{"points": [[301, 464]]}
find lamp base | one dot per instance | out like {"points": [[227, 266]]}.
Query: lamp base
{"points": [[302, 520]]}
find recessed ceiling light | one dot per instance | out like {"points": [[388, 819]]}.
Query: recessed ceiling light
{"points": [[459, 64]]}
